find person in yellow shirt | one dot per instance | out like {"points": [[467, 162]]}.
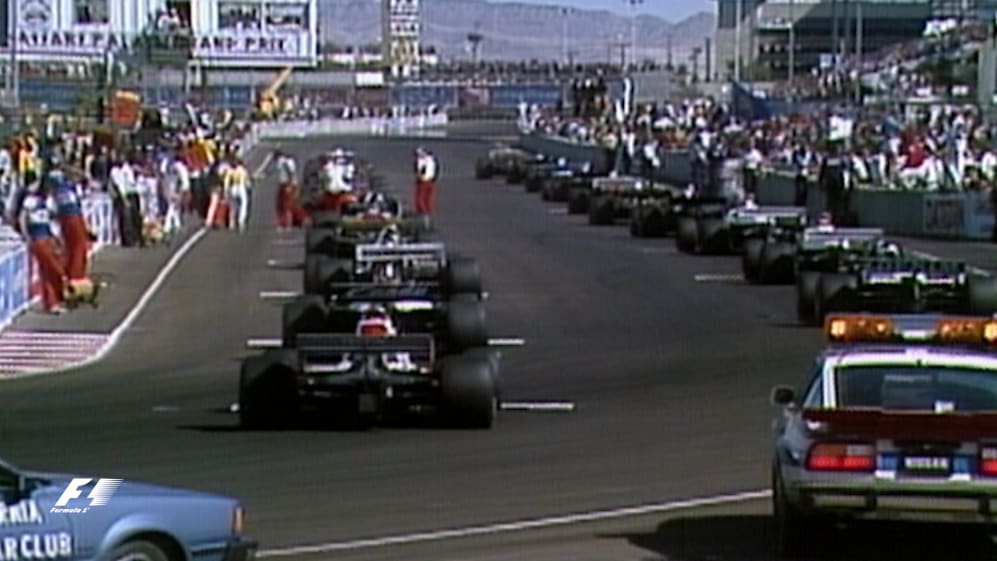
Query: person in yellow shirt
{"points": [[237, 191]]}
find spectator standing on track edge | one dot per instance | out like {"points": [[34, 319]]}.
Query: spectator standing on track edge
{"points": [[426, 174], [287, 191], [127, 205]]}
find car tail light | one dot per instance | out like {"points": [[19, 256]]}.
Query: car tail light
{"points": [[988, 460], [841, 457]]}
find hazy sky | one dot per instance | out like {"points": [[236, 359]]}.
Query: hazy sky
{"points": [[669, 9]]}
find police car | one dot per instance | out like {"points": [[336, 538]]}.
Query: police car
{"points": [[60, 517], [897, 421]]}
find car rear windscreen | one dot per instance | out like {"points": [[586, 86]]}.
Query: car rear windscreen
{"points": [[917, 388]]}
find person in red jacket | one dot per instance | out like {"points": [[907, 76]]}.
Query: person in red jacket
{"points": [[37, 213]]}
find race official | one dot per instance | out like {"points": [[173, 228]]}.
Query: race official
{"points": [[426, 175], [127, 204], [177, 194], [75, 234], [337, 178], [237, 191], [287, 189], [37, 212]]}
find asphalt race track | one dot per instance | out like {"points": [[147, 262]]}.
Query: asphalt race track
{"points": [[670, 376]]}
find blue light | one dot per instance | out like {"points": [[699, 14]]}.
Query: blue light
{"points": [[960, 465], [886, 462]]}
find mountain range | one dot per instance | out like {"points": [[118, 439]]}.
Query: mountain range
{"points": [[517, 31]]}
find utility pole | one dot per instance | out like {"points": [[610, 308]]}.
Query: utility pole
{"points": [[834, 34], [564, 34], [707, 59], [633, 30], [670, 65]]}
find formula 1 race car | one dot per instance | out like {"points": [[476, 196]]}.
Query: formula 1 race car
{"points": [[456, 325], [709, 226], [367, 377], [558, 185], [779, 252], [538, 173], [337, 235], [395, 263], [612, 198], [892, 281], [895, 423], [502, 161]]}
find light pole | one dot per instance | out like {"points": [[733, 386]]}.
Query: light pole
{"points": [[15, 72], [738, 14], [792, 43], [565, 12], [633, 29]]}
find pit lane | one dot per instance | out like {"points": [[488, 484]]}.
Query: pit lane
{"points": [[670, 378]]}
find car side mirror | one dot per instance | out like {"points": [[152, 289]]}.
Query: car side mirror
{"points": [[783, 395]]}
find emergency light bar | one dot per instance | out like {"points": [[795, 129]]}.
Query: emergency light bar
{"points": [[954, 330], [376, 253]]}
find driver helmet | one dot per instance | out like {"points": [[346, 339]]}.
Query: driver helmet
{"points": [[825, 223], [749, 202], [376, 322], [562, 162], [390, 235]]}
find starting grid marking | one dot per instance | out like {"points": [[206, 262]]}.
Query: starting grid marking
{"points": [[719, 277], [26, 352]]}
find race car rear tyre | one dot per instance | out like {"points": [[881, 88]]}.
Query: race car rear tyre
{"points": [[494, 359], [653, 223], [637, 222], [686, 234], [137, 550], [833, 291], [468, 393], [462, 276], [466, 327], [533, 184], [601, 212], [305, 315], [778, 262], [578, 203], [711, 235], [267, 390], [545, 191], [322, 271], [320, 240], [751, 260], [806, 293], [981, 295]]}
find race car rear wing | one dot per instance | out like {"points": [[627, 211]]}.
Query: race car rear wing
{"points": [[318, 348], [816, 238], [619, 184], [903, 425], [403, 253], [767, 215], [351, 293], [371, 224], [907, 264]]}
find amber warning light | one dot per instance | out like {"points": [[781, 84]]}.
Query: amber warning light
{"points": [[862, 328]]}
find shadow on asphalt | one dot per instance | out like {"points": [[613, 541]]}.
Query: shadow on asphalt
{"points": [[752, 538]]}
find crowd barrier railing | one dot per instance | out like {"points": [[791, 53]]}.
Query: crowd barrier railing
{"points": [[15, 278], [339, 127], [968, 215]]}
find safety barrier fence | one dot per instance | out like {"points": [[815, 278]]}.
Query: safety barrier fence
{"points": [[968, 215], [19, 280]]}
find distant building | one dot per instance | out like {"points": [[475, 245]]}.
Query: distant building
{"points": [[821, 28], [401, 32]]}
